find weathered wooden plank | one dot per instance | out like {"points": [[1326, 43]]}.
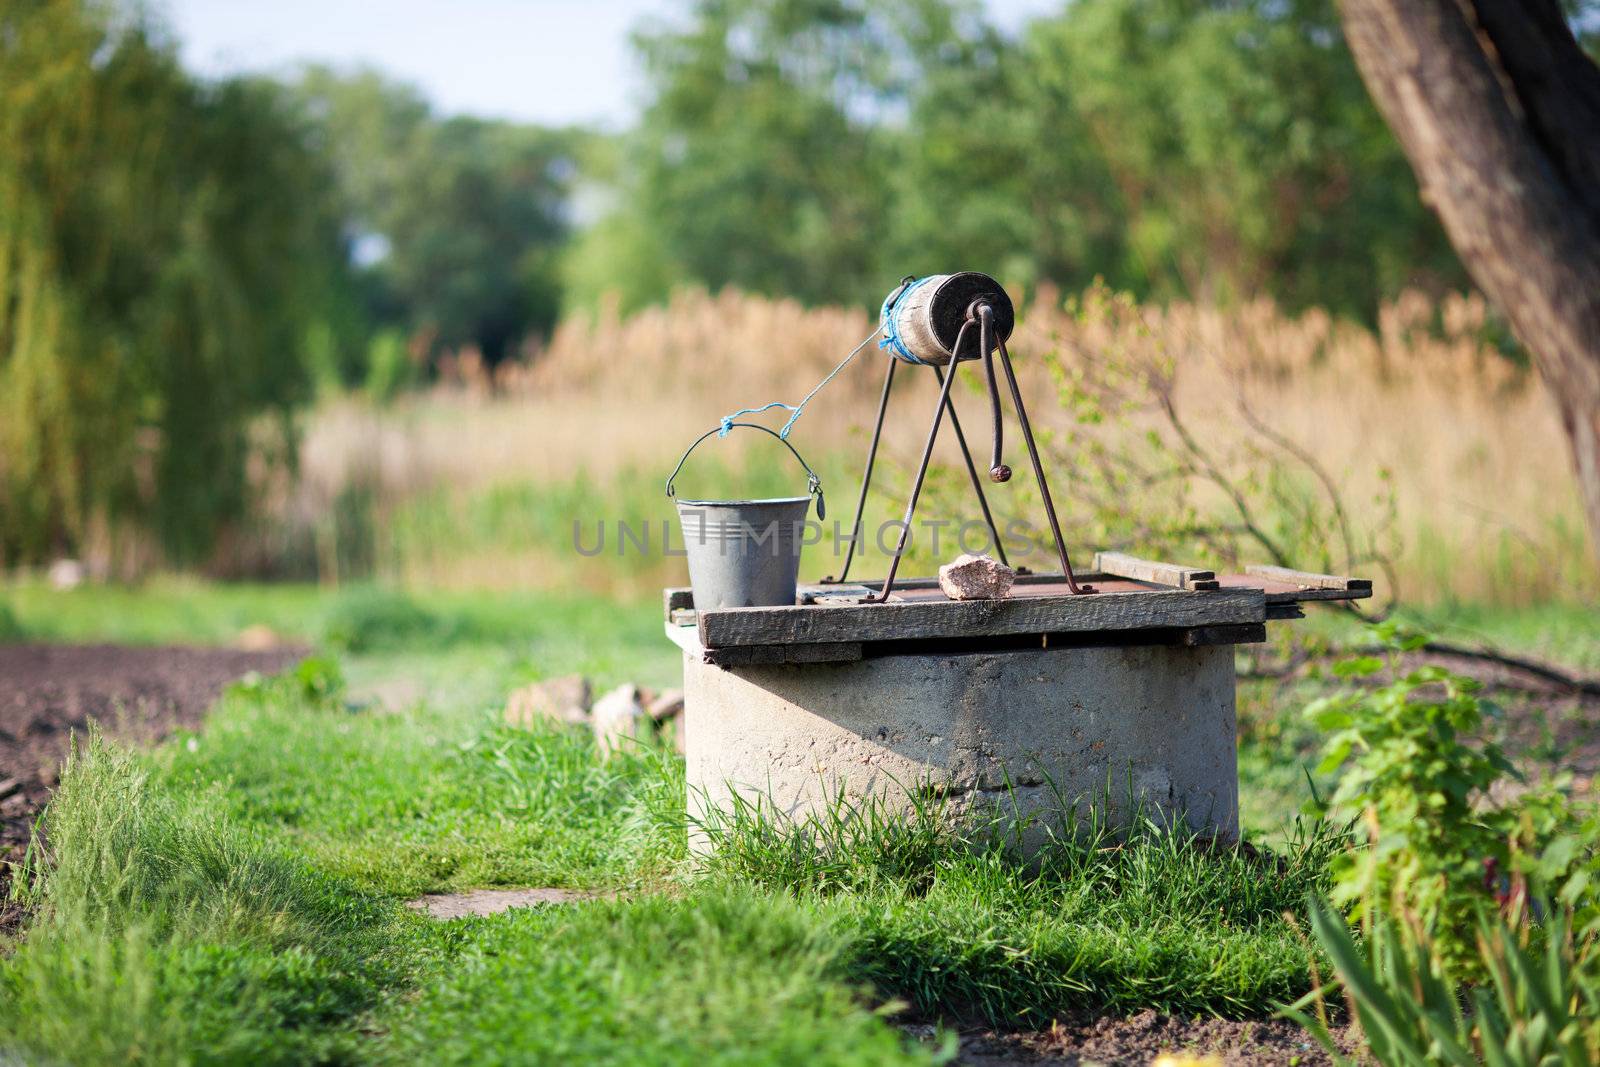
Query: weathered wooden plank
{"points": [[1249, 633], [1308, 579], [1279, 612], [1279, 592], [1148, 570], [1301, 596], [980, 618], [762, 655], [688, 639]]}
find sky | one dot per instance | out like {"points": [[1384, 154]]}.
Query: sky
{"points": [[553, 62]]}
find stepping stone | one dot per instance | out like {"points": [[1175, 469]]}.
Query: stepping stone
{"points": [[494, 901]]}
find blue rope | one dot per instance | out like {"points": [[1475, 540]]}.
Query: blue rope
{"points": [[783, 434], [891, 332]]}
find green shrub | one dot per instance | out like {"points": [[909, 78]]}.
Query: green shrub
{"points": [[371, 618], [10, 626], [1416, 779], [1479, 917]]}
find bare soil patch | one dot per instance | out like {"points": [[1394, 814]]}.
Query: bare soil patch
{"points": [[1140, 1039], [136, 694]]}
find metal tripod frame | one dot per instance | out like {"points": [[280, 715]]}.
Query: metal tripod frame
{"points": [[981, 315]]}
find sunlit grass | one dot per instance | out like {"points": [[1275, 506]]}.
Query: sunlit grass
{"points": [[253, 873]]}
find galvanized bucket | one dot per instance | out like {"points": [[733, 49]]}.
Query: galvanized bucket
{"points": [[745, 553]]}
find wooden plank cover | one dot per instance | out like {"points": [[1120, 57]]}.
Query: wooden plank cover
{"points": [[1308, 579], [980, 618], [1148, 570]]}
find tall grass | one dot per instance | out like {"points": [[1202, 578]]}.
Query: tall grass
{"points": [[472, 485], [942, 913], [163, 933]]}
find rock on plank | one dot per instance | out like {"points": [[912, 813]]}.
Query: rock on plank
{"points": [[970, 577]]}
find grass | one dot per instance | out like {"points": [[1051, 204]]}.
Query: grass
{"points": [[731, 978], [237, 894], [956, 925], [243, 880], [164, 933], [433, 799]]}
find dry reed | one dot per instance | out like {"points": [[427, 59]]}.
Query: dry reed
{"points": [[1424, 406]]}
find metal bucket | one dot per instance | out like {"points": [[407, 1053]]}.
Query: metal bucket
{"points": [[745, 553]]}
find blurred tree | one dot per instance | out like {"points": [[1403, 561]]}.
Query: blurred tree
{"points": [[998, 169], [1246, 152], [759, 161], [1214, 148], [458, 222], [165, 249]]}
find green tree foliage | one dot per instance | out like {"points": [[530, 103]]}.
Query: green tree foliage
{"points": [[468, 214], [1246, 152], [164, 251], [1174, 147], [760, 161]]}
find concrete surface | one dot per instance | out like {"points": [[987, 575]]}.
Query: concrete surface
{"points": [[1034, 731]]}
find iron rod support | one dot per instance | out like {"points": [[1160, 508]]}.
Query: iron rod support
{"points": [[866, 475], [916, 485], [998, 471], [972, 473], [986, 315]]}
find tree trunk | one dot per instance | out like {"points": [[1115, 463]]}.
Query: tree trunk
{"points": [[1498, 110]]}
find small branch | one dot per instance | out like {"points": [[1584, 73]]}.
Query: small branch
{"points": [[1589, 687], [1583, 687]]}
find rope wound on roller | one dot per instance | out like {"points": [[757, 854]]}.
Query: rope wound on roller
{"points": [[924, 320]]}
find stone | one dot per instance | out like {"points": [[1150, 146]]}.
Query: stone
{"points": [[67, 574], [617, 718], [970, 577], [258, 638], [557, 701], [666, 705], [494, 901]]}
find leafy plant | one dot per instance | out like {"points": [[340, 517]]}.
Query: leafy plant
{"points": [[1540, 1004], [1418, 780], [1477, 916]]}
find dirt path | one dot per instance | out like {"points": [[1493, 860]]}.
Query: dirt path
{"points": [[1140, 1039], [137, 694]]}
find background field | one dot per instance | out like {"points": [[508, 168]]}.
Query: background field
{"points": [[296, 364]]}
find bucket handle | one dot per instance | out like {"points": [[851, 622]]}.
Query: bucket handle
{"points": [[814, 484]]}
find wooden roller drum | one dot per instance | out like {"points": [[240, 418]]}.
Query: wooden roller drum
{"points": [[927, 315]]}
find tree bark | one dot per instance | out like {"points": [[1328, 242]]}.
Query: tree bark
{"points": [[1498, 110]]}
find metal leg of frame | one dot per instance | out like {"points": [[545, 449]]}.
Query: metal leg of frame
{"points": [[916, 486], [972, 470], [1038, 467], [866, 475]]}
